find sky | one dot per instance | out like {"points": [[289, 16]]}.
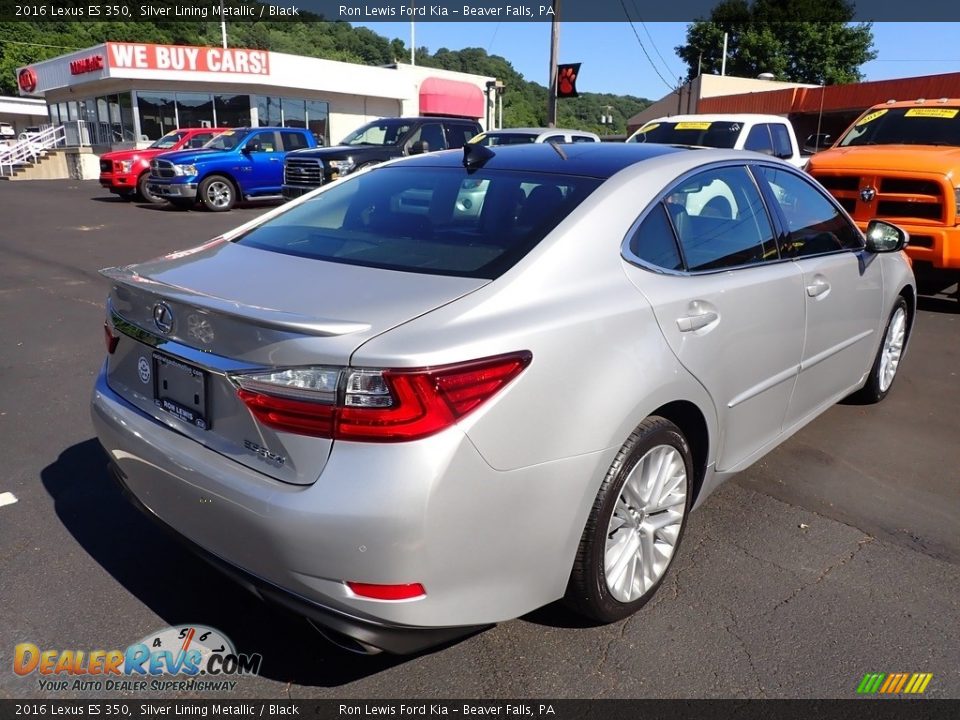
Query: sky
{"points": [[614, 62]]}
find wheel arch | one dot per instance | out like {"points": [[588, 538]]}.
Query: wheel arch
{"points": [[224, 174], [692, 423]]}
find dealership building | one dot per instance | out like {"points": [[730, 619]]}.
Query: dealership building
{"points": [[122, 94]]}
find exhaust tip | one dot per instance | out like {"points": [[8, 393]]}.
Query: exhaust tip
{"points": [[345, 642]]}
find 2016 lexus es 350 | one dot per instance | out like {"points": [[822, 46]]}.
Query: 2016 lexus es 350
{"points": [[408, 419]]}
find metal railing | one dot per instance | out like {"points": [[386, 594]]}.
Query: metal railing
{"points": [[30, 147]]}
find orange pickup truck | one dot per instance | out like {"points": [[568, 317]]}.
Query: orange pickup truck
{"points": [[900, 161]]}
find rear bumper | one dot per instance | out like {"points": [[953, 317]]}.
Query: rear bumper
{"points": [[173, 191], [397, 639], [487, 545]]}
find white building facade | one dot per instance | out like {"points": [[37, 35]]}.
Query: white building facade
{"points": [[120, 94]]}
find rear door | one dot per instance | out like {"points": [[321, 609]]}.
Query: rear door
{"points": [[842, 290], [730, 310], [458, 134]]}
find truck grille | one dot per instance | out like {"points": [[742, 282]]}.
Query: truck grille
{"points": [[162, 168], [303, 171], [106, 166], [894, 197]]}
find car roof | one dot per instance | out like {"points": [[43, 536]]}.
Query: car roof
{"points": [[939, 102], [537, 131], [720, 117], [600, 160]]}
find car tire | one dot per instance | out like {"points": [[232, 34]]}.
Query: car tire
{"points": [[217, 193], [144, 192], [887, 362], [634, 529]]}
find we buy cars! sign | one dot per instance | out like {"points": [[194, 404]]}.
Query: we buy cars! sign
{"points": [[143, 56]]}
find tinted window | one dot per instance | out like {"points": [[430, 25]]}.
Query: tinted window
{"points": [[431, 135], [781, 141], [554, 139], [505, 138], [654, 241], [199, 140], [583, 138], [225, 141], [814, 222], [443, 221], [759, 140], [293, 141], [381, 132], [720, 219], [459, 135]]}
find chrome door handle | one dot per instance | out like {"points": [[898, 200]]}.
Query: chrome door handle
{"points": [[692, 323], [817, 287], [274, 159]]}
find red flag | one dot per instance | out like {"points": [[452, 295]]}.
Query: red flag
{"points": [[567, 80]]}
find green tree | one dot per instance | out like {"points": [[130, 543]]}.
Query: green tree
{"points": [[777, 36]]}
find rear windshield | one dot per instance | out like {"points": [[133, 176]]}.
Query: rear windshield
{"points": [[906, 126], [716, 134], [490, 139], [441, 221]]}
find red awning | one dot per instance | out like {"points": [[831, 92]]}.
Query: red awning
{"points": [[451, 97]]}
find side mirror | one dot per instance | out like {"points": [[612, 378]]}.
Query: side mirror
{"points": [[883, 237], [419, 147]]}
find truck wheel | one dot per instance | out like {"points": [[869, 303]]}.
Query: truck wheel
{"points": [[217, 193], [144, 191]]}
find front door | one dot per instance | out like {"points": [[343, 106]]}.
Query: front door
{"points": [[265, 155]]}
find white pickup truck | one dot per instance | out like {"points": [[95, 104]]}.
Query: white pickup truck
{"points": [[768, 134]]}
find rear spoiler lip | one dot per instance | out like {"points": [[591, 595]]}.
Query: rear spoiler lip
{"points": [[263, 317]]}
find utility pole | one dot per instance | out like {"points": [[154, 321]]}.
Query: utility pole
{"points": [[554, 50], [723, 63], [606, 119], [223, 26], [413, 43]]}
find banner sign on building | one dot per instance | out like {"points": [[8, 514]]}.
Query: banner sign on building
{"points": [[145, 56]]}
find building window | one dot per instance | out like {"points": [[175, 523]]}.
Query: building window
{"points": [[54, 115], [194, 110], [268, 112], [127, 131], [317, 113], [294, 113], [157, 114], [72, 110], [232, 110]]}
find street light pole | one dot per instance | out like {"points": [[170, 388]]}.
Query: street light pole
{"points": [[554, 50], [223, 26]]}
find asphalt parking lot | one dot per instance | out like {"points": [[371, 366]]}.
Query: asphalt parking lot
{"points": [[835, 556]]}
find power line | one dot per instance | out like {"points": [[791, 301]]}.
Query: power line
{"points": [[494, 37], [640, 42], [652, 42]]}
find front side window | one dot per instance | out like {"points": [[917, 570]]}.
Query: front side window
{"points": [[262, 142], [814, 223], [459, 135], [758, 140], [431, 135], [442, 221], [225, 141], [380, 132], [720, 220]]}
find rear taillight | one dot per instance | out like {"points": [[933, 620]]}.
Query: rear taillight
{"points": [[375, 405], [110, 338]]}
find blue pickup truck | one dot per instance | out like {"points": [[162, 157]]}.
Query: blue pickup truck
{"points": [[240, 164]]}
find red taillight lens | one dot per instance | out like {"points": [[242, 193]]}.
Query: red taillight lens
{"points": [[387, 592], [110, 339], [381, 405]]}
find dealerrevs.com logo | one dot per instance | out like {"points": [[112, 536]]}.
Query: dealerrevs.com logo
{"points": [[180, 658]]}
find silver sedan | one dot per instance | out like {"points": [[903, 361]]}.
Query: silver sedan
{"points": [[407, 422]]}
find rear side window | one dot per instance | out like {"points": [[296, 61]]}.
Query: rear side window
{"points": [[758, 139], [459, 135], [199, 140], [265, 141], [442, 221], [721, 221], [431, 135], [654, 241], [815, 224], [582, 138], [293, 140]]}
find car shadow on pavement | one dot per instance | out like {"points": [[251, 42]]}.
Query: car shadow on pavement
{"points": [[941, 304], [111, 199], [161, 573]]}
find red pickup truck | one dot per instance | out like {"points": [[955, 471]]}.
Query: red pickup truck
{"points": [[125, 172]]}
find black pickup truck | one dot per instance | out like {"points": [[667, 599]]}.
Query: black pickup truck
{"points": [[373, 143]]}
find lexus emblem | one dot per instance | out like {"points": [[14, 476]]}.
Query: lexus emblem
{"points": [[867, 194], [163, 317]]}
